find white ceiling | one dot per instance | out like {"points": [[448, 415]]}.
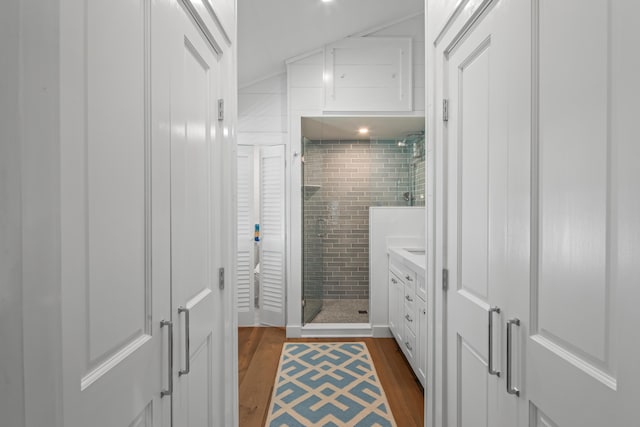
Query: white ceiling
{"points": [[272, 31], [346, 128]]}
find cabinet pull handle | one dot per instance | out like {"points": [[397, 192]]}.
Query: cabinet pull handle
{"points": [[169, 390], [408, 345], [510, 388], [187, 363], [406, 316], [394, 281], [408, 278], [490, 363], [408, 298]]}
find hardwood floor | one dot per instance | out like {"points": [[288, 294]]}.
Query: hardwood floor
{"points": [[259, 351]]}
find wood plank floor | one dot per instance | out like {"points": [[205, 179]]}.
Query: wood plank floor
{"points": [[258, 354]]}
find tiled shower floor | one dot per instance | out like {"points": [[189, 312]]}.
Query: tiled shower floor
{"points": [[343, 311]]}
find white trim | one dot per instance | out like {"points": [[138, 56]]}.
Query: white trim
{"points": [[364, 33], [261, 79], [390, 24], [305, 55], [319, 330], [294, 331]]}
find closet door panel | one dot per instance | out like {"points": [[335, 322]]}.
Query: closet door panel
{"points": [[195, 227], [245, 236], [272, 253], [578, 322], [112, 340]]}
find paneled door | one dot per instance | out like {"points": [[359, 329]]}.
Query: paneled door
{"points": [[542, 214], [272, 255], [115, 283], [582, 346], [198, 372], [476, 183]]}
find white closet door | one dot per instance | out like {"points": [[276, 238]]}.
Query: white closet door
{"points": [[272, 247], [542, 213], [582, 346], [476, 183], [197, 310], [246, 221], [115, 284]]}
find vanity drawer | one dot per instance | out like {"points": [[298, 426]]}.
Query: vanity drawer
{"points": [[410, 318], [409, 298], [409, 344]]}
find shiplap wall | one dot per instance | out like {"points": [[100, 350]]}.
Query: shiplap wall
{"points": [[262, 112]]}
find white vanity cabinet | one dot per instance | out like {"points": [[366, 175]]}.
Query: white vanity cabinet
{"points": [[407, 307]]}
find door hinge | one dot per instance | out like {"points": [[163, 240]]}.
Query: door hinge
{"points": [[221, 278], [220, 109], [304, 303], [445, 279], [445, 110]]}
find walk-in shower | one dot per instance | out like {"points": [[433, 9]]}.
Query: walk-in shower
{"points": [[344, 175]]}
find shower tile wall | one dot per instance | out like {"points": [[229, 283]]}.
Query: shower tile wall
{"points": [[352, 176]]}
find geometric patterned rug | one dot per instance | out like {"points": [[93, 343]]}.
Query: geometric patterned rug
{"points": [[329, 385]]}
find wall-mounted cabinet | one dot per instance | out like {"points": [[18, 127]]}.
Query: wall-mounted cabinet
{"points": [[368, 74]]}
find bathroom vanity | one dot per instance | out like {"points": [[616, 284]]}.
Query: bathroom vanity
{"points": [[407, 305]]}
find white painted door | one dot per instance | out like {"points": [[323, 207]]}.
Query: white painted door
{"points": [[579, 315], [272, 246], [476, 181], [114, 275], [246, 222], [542, 213], [195, 228]]}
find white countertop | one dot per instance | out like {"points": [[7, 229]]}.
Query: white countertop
{"points": [[416, 261]]}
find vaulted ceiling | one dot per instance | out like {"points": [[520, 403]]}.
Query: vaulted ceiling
{"points": [[272, 31]]}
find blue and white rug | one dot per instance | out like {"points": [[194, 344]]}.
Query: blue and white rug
{"points": [[329, 385]]}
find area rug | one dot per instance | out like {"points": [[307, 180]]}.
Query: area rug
{"points": [[328, 385]]}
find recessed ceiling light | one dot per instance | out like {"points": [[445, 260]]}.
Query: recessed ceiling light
{"points": [[363, 131], [326, 1]]}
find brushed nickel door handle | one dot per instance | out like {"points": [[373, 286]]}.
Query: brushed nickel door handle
{"points": [[187, 362], [168, 391], [510, 388], [490, 363]]}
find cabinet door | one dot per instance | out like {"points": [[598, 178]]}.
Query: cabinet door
{"points": [[421, 352], [393, 295]]}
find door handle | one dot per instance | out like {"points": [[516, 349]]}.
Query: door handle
{"points": [[510, 388], [490, 363], [169, 390], [187, 364]]}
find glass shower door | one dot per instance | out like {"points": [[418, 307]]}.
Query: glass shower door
{"points": [[313, 235]]}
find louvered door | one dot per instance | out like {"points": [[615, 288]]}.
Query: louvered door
{"points": [[244, 258], [272, 194]]}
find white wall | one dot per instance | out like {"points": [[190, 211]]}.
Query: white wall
{"points": [[262, 112], [11, 369]]}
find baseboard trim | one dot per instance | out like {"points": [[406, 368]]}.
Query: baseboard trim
{"points": [[294, 331]]}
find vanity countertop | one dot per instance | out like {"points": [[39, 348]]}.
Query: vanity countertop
{"points": [[414, 257]]}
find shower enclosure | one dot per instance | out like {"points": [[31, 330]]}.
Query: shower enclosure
{"points": [[341, 179]]}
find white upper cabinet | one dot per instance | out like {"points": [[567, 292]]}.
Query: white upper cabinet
{"points": [[368, 74]]}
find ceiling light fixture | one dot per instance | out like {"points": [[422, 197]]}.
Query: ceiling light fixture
{"points": [[363, 131]]}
